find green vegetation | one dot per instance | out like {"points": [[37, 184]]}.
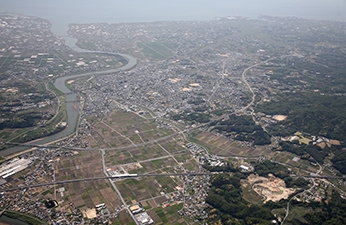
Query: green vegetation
{"points": [[263, 169], [299, 182], [228, 205], [49, 191], [316, 152], [192, 117], [28, 219], [49, 203], [339, 161], [242, 128], [329, 211], [155, 50], [311, 113], [228, 168], [196, 101]]}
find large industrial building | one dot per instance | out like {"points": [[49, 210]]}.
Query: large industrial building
{"points": [[13, 167]]}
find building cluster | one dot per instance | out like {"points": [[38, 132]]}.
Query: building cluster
{"points": [[193, 196], [28, 32], [141, 215], [14, 166]]}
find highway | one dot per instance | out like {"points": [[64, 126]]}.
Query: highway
{"points": [[91, 149], [104, 178]]}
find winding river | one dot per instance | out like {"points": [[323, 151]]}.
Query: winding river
{"points": [[72, 112]]}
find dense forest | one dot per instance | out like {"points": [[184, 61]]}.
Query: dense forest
{"points": [[22, 120], [266, 167], [339, 161], [242, 128], [315, 153], [192, 117], [330, 211], [311, 113], [227, 205]]}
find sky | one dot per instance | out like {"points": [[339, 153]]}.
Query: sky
{"points": [[62, 12]]}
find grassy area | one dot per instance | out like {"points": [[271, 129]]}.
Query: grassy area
{"points": [[155, 50], [49, 191], [297, 213], [251, 196], [54, 89], [304, 140]]}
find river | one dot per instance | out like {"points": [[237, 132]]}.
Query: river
{"points": [[7, 220], [72, 112]]}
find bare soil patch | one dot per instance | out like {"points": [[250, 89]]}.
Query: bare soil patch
{"points": [[271, 188]]}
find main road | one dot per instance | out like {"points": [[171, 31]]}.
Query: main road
{"points": [[34, 144], [248, 85], [104, 178]]}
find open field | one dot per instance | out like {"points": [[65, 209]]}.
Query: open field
{"points": [[135, 190], [297, 213], [224, 147], [287, 158], [124, 129], [155, 50], [167, 215], [251, 196]]}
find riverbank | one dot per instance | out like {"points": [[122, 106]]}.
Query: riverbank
{"points": [[72, 108]]}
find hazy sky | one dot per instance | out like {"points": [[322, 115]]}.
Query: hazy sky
{"points": [[62, 12]]}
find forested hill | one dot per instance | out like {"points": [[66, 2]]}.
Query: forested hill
{"points": [[311, 113]]}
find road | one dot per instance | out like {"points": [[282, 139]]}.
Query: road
{"points": [[104, 178], [288, 203], [143, 161], [115, 187], [112, 149], [248, 85], [316, 176]]}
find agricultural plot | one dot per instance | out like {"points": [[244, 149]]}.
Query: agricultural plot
{"points": [[13, 59], [83, 166], [155, 50], [287, 158], [134, 155], [125, 129], [123, 218], [167, 214], [136, 190], [85, 194], [173, 145], [158, 164], [224, 147]]}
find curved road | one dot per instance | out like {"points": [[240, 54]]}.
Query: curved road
{"points": [[248, 85]]}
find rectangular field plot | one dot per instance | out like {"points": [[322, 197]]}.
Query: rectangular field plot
{"points": [[230, 148], [146, 188], [88, 164], [124, 129], [131, 155], [167, 214], [155, 50]]}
